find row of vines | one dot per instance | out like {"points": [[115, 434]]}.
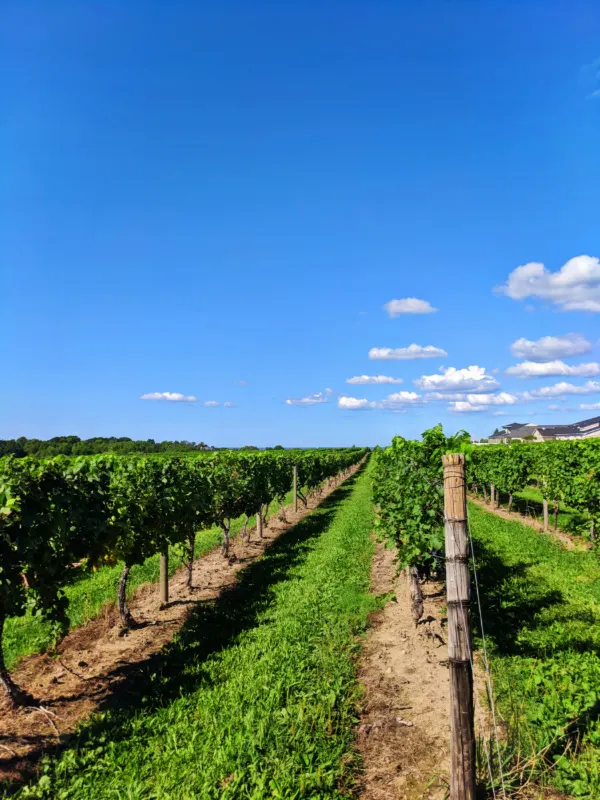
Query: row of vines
{"points": [[67, 514], [567, 473], [408, 493]]}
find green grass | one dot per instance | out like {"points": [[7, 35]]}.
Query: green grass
{"points": [[529, 503], [541, 607], [256, 697], [87, 596]]}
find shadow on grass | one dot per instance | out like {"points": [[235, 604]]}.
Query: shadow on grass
{"points": [[212, 626], [510, 602]]}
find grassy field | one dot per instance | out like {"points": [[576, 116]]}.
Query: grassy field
{"points": [[529, 503], [256, 697], [541, 607], [87, 596]]}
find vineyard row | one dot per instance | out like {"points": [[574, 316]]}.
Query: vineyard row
{"points": [[62, 515]]}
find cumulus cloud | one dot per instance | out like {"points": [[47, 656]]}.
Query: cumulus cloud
{"points": [[561, 389], [549, 348], [309, 400], [210, 403], [462, 406], [535, 369], [408, 305], [574, 287], [476, 398], [174, 397], [365, 380], [406, 353], [473, 377], [481, 402], [590, 406], [392, 402], [354, 403]]}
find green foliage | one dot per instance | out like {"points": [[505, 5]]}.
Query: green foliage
{"points": [[567, 472], [408, 491], [57, 512], [256, 698]]}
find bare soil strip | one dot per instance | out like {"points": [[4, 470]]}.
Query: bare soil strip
{"points": [[404, 730], [567, 540], [94, 662]]}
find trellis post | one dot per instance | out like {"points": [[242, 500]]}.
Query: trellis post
{"points": [[462, 723]]}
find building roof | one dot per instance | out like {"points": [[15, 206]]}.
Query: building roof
{"points": [[518, 430]]}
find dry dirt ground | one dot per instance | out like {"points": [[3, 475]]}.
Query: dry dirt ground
{"points": [[568, 541], [404, 731], [94, 663]]}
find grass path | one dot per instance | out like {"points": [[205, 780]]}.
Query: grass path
{"points": [[256, 697], [24, 636], [541, 606]]}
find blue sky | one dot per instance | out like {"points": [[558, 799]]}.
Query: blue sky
{"points": [[199, 194]]}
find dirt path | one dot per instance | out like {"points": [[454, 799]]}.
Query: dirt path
{"points": [[94, 661], [403, 734], [568, 541]]}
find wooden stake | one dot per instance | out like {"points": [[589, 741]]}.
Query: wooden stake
{"points": [[164, 578], [462, 725], [493, 495], [545, 507], [259, 524], [295, 488]]}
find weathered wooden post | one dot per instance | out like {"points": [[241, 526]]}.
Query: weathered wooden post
{"points": [[164, 578], [545, 509], [295, 488], [493, 495], [259, 527], [462, 723]]}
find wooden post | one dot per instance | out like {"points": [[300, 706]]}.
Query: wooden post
{"points": [[493, 495], [462, 724], [295, 488], [259, 524], [164, 578], [545, 507]]}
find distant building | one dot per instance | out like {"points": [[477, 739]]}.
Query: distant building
{"points": [[518, 431]]}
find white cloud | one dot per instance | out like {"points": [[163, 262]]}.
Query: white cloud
{"points": [[556, 407], [329, 391], [561, 389], [574, 287], [549, 348], [309, 400], [211, 403], [408, 305], [406, 353], [229, 404], [174, 397], [393, 402], [354, 403], [498, 399], [535, 369], [473, 377], [464, 407], [590, 406], [365, 380], [498, 413], [481, 402]]}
